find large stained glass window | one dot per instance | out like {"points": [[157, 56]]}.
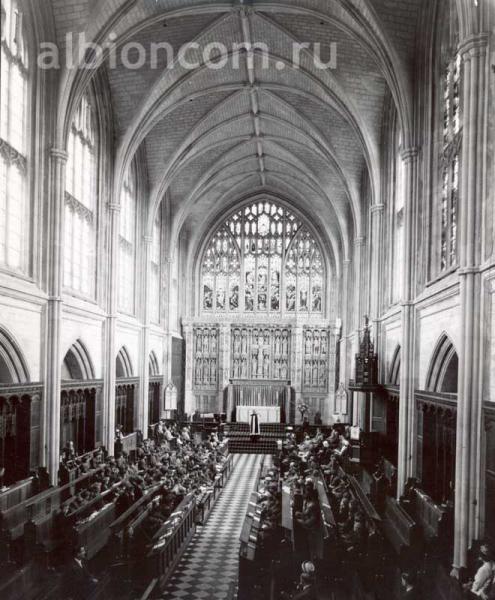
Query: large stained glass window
{"points": [[127, 244], [451, 141], [81, 201], [14, 140], [262, 259]]}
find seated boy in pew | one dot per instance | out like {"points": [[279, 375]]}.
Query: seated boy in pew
{"points": [[79, 583]]}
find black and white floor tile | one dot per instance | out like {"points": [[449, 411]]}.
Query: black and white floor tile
{"points": [[209, 568]]}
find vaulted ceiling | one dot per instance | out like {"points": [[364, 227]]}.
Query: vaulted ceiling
{"points": [[213, 136]]}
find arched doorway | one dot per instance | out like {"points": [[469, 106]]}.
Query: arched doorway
{"points": [[78, 403], [124, 392], [16, 398], [437, 417], [392, 393], [154, 391]]}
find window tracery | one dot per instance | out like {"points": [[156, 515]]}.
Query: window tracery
{"points": [[127, 244], [450, 152], [156, 270], [81, 201], [262, 259], [14, 206]]}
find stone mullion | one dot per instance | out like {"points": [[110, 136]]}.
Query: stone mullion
{"points": [[190, 402], [223, 364], [296, 363]]}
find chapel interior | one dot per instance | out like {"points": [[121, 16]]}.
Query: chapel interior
{"points": [[247, 299]]}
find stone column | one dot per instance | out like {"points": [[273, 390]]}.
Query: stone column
{"points": [[375, 286], [359, 399], [359, 244], [224, 365], [190, 402], [469, 399], [407, 429], [143, 416], [110, 353], [165, 319], [53, 359], [345, 372]]}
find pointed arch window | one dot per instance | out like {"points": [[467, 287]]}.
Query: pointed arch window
{"points": [[14, 111], [81, 201], [398, 224], [451, 139], [156, 250], [127, 244], [263, 259]]}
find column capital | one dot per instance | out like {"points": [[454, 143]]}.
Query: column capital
{"points": [[359, 241], [58, 154], [473, 45], [409, 154], [114, 207], [148, 239], [377, 208]]}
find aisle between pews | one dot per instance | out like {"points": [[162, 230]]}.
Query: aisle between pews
{"points": [[209, 568]]}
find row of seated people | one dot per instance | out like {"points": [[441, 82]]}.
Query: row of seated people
{"points": [[338, 525], [323, 455], [117, 483], [124, 480], [188, 470], [305, 464]]}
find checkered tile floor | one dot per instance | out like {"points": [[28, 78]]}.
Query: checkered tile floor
{"points": [[209, 568]]}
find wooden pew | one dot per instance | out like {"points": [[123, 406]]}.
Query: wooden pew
{"points": [[94, 533], [327, 515], [170, 542], [68, 472], [430, 517], [204, 505], [128, 444], [434, 522], [401, 530], [42, 536], [119, 528], [374, 545], [223, 476], [18, 492], [369, 509]]}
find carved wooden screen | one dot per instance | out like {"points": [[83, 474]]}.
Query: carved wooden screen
{"points": [[124, 408], [77, 422], [315, 362], [205, 357], [262, 259], [260, 353], [14, 437], [154, 402]]}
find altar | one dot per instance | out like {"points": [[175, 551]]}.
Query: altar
{"points": [[266, 414]]}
